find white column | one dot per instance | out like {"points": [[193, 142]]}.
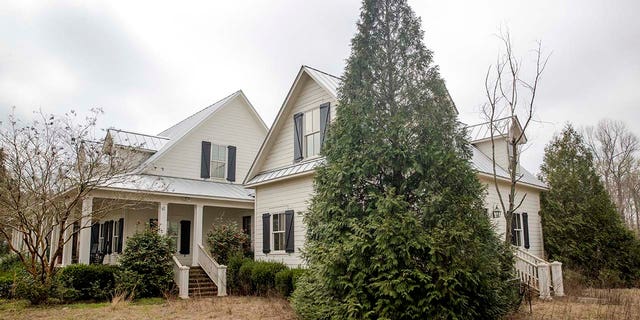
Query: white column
{"points": [[53, 242], [68, 246], [544, 281], [556, 277], [84, 245], [197, 232], [162, 218]]}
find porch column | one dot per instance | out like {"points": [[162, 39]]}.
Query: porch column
{"points": [[53, 243], [197, 232], [162, 218], [68, 247], [556, 277], [85, 233]]}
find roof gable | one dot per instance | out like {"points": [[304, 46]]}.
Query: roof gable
{"points": [[177, 132]]}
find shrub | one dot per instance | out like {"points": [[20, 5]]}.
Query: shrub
{"points": [[233, 270], [284, 285], [263, 276], [147, 265], [6, 284], [225, 241], [88, 282], [26, 287], [245, 285]]}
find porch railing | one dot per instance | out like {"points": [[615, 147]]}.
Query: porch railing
{"points": [[215, 271], [181, 277], [539, 274]]}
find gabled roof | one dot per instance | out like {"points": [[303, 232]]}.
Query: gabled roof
{"points": [[138, 141], [327, 81], [178, 131], [483, 164], [504, 126]]}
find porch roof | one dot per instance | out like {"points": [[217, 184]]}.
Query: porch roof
{"points": [[182, 187], [298, 168]]}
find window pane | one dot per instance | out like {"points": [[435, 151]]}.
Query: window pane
{"points": [[316, 119], [276, 217], [217, 169], [308, 122], [309, 146], [222, 153], [214, 152], [316, 143]]}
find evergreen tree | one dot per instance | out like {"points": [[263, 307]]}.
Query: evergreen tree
{"points": [[397, 229], [580, 224]]}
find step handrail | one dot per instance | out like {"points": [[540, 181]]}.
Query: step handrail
{"points": [[181, 277], [217, 272]]}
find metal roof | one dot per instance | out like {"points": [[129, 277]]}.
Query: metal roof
{"points": [[482, 163], [297, 168], [182, 186], [482, 131], [136, 140], [328, 81]]}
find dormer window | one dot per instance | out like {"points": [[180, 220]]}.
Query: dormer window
{"points": [[218, 161], [312, 133]]}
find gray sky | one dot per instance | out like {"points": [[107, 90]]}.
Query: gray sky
{"points": [[150, 64]]}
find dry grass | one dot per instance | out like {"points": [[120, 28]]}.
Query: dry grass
{"points": [[586, 304], [209, 308]]}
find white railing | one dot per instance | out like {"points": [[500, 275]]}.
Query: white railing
{"points": [[215, 271], [181, 277], [539, 274]]}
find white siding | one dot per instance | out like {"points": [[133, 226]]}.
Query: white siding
{"points": [[308, 95], [502, 156], [234, 124], [291, 194], [531, 206]]}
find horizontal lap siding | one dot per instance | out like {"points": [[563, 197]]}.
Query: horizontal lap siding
{"points": [[309, 96], [531, 205], [292, 194], [502, 155], [234, 125]]}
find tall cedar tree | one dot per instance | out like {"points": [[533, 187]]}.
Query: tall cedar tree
{"points": [[580, 224], [397, 229]]}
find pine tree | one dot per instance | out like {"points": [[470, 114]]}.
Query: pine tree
{"points": [[580, 224], [396, 229]]}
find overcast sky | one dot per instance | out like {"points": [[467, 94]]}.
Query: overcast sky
{"points": [[150, 64]]}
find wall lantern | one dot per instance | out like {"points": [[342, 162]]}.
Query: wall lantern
{"points": [[496, 212]]}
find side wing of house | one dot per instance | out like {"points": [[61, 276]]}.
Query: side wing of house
{"points": [[282, 174], [221, 147]]}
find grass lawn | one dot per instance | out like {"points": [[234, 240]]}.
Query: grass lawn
{"points": [[586, 304], [207, 308]]}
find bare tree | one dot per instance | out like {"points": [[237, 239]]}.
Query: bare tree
{"points": [[48, 166], [510, 98], [615, 150]]}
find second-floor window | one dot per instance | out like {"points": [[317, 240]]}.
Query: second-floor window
{"points": [[218, 161], [278, 232], [312, 133]]}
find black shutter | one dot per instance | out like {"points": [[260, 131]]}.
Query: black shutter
{"points": [[120, 235], [185, 236], [297, 137], [231, 163], [325, 117], [205, 160], [513, 229], [266, 243], [95, 237], [525, 229], [288, 231]]}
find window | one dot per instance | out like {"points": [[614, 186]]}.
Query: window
{"points": [[101, 240], [172, 233], [312, 132], [116, 236], [218, 160], [517, 230], [278, 232]]}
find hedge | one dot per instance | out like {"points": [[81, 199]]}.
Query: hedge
{"points": [[88, 282]]}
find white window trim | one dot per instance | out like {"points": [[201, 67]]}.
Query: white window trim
{"points": [[305, 134], [273, 233], [519, 232], [101, 237], [116, 236], [226, 161]]}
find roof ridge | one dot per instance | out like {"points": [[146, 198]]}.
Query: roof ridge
{"points": [[138, 133], [199, 111], [318, 70]]}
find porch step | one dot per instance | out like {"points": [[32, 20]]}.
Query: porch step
{"points": [[200, 285]]}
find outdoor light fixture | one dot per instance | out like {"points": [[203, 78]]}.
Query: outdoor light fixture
{"points": [[496, 212]]}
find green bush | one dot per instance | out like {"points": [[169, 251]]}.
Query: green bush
{"points": [[147, 265], [6, 284], [26, 287], [233, 270], [245, 285], [225, 241], [263, 276], [286, 280], [88, 282]]}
